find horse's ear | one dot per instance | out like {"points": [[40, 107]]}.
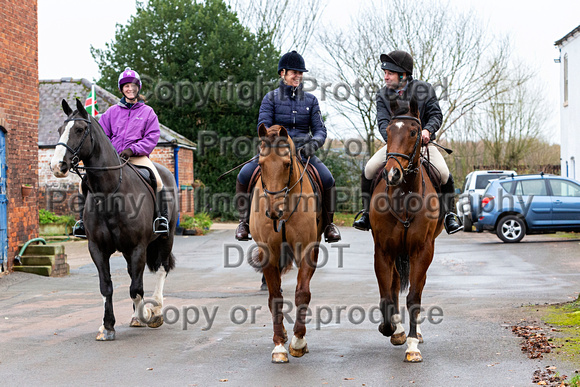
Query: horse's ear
{"points": [[262, 131], [414, 107], [283, 132], [67, 110], [81, 109]]}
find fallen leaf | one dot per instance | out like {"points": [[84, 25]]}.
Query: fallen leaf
{"points": [[223, 380], [348, 379], [149, 369]]}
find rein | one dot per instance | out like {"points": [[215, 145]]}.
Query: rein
{"points": [[286, 190], [407, 171], [76, 168]]}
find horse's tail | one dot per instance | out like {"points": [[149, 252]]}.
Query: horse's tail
{"points": [[159, 253], [403, 267]]}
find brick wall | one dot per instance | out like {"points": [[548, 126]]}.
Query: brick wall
{"points": [[19, 116]]}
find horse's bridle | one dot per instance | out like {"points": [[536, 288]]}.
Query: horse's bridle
{"points": [[286, 190], [75, 152], [394, 155]]}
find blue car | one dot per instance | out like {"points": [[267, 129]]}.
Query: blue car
{"points": [[515, 206]]}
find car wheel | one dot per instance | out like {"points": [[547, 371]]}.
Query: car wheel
{"points": [[467, 224], [511, 229]]}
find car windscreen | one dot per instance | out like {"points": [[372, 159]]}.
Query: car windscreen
{"points": [[482, 180]]}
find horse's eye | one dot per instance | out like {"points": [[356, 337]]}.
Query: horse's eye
{"points": [[413, 133], [79, 129], [287, 165]]}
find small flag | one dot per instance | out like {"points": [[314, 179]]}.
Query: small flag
{"points": [[91, 103]]}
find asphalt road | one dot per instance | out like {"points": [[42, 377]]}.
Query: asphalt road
{"points": [[478, 284]]}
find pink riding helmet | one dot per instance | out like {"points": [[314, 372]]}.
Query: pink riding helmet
{"points": [[129, 76]]}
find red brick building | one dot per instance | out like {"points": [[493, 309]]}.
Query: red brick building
{"points": [[173, 150], [18, 126]]}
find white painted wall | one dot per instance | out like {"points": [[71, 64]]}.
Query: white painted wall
{"points": [[570, 114]]}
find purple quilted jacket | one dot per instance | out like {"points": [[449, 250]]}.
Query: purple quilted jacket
{"points": [[136, 128]]}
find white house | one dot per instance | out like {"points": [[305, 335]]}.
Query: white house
{"points": [[569, 47]]}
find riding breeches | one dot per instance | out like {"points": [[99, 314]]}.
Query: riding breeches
{"points": [[327, 180], [435, 158]]}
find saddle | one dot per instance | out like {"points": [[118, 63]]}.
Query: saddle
{"points": [[146, 175]]}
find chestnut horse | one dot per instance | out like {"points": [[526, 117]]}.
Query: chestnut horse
{"points": [[405, 219], [286, 224]]}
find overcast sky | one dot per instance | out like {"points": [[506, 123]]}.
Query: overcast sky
{"points": [[67, 29]]}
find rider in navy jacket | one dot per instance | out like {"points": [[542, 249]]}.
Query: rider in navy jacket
{"points": [[290, 106]]}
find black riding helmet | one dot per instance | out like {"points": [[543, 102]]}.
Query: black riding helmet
{"points": [[398, 61], [291, 61]]}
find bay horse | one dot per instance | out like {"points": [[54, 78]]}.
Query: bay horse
{"points": [[405, 218], [118, 215], [286, 224]]}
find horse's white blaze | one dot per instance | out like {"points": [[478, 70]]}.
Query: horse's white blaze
{"points": [[412, 345], [279, 349], [298, 343], [392, 173], [399, 125], [60, 151]]}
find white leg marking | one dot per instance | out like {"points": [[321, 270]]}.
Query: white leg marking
{"points": [[158, 293], [279, 349], [60, 151], [141, 312], [418, 325], [297, 343], [412, 345]]}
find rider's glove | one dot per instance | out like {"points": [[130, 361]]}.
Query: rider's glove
{"points": [[126, 154]]}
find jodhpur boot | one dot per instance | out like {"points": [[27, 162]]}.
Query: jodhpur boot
{"points": [[331, 233], [243, 205], [364, 223], [450, 222], [161, 223]]}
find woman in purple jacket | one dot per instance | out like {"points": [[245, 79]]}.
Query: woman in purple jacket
{"points": [[133, 129]]}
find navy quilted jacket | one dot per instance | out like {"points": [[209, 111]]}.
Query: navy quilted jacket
{"points": [[295, 110]]}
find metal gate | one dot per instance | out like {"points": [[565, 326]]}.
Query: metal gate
{"points": [[3, 203]]}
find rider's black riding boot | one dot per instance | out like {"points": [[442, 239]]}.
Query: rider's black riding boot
{"points": [[78, 229], [364, 223], [161, 223], [331, 233], [243, 205], [450, 221]]}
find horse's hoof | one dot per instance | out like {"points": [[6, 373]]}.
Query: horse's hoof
{"points": [[136, 323], [280, 357], [420, 337], [155, 321], [413, 357], [105, 334], [384, 331], [399, 338], [298, 352]]}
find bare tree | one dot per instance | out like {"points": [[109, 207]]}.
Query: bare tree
{"points": [[512, 125], [452, 51], [289, 24]]}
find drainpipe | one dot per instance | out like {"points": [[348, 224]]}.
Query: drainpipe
{"points": [[176, 173]]}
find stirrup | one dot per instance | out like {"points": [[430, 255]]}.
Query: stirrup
{"points": [[79, 225], [457, 220], [158, 223]]}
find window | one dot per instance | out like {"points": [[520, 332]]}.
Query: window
{"points": [[564, 188], [535, 187], [566, 79]]}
